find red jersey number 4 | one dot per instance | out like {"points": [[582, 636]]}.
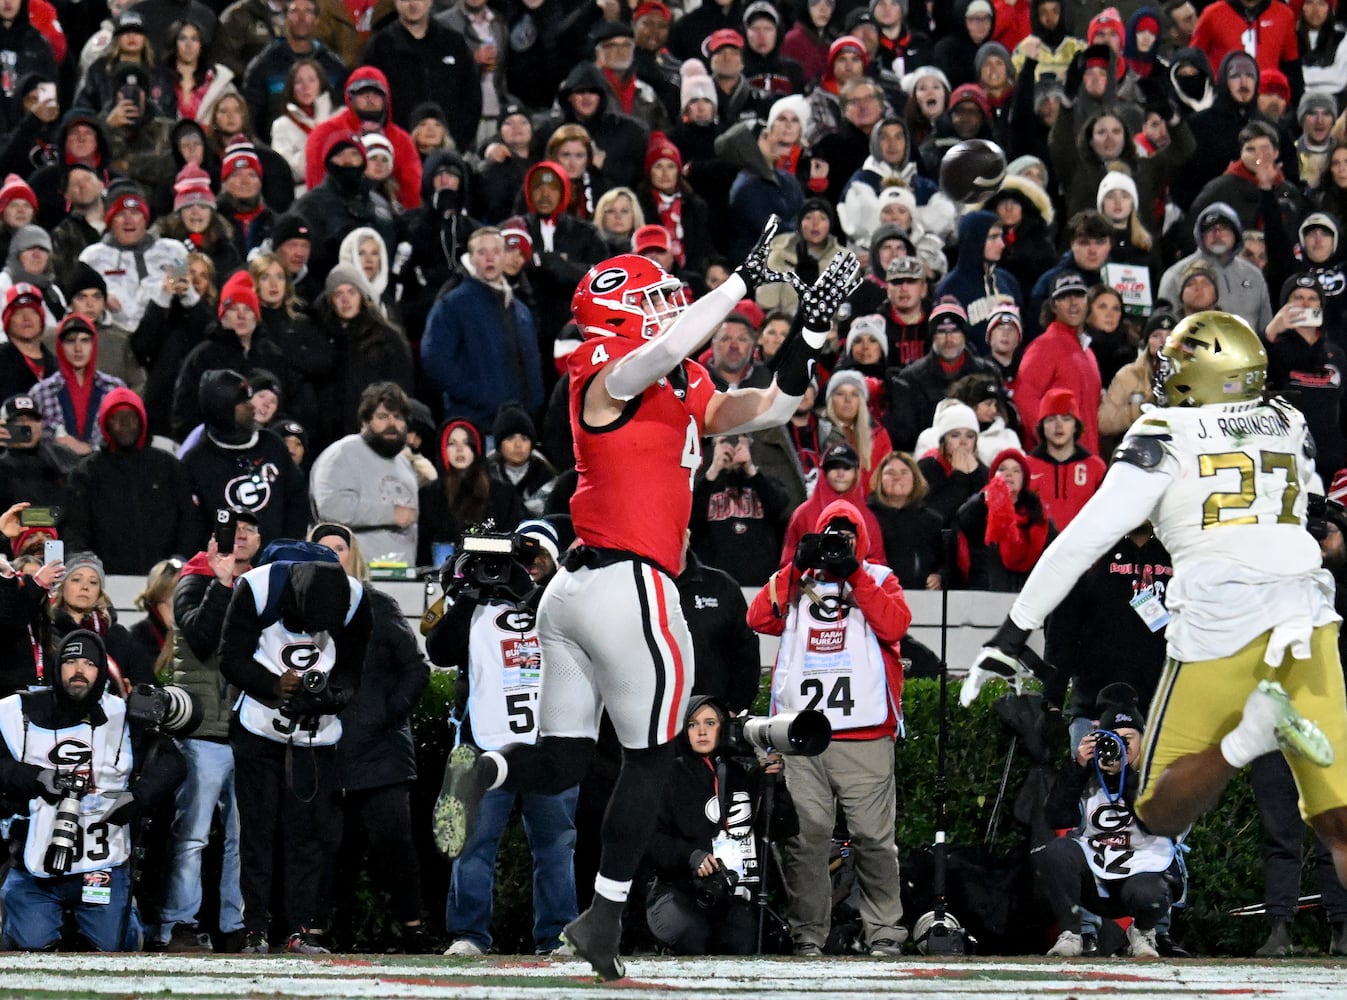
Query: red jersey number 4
{"points": [[692, 443]]}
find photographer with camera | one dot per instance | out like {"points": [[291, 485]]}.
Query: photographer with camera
{"points": [[89, 767], [1107, 862], [294, 641], [200, 602], [840, 618], [706, 850], [490, 633]]}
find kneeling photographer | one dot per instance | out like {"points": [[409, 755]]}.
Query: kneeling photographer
{"points": [[840, 619], [706, 850], [489, 632], [90, 764], [1107, 862]]}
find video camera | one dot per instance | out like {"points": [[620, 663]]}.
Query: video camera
{"points": [[796, 734], [824, 550], [491, 562], [171, 709]]}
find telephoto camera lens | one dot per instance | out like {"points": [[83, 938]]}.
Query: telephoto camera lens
{"points": [[65, 831]]}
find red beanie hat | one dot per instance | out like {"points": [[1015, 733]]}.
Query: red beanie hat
{"points": [[1273, 81], [240, 157], [239, 290], [844, 43], [192, 188], [128, 200], [16, 187], [660, 148]]}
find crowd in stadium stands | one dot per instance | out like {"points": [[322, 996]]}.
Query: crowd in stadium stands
{"points": [[311, 262]]}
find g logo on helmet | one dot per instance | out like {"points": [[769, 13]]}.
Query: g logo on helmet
{"points": [[608, 281]]}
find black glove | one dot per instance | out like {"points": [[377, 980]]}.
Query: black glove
{"points": [[819, 302], [806, 553], [47, 787], [754, 269], [124, 809], [1075, 76]]}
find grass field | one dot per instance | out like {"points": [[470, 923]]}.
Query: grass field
{"points": [[80, 976]]}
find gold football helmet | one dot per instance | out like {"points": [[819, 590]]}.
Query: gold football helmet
{"points": [[1210, 357]]}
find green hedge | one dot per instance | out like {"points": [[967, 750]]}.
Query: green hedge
{"points": [[1225, 863]]}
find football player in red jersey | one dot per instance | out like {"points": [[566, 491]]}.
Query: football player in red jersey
{"points": [[612, 630]]}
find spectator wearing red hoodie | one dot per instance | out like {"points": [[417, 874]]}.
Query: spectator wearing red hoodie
{"points": [[841, 480], [368, 109], [840, 623], [1229, 25], [1058, 359], [129, 501], [1002, 530], [564, 248], [1061, 472], [69, 398]]}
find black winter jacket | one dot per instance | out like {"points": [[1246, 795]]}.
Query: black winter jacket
{"points": [[376, 747]]}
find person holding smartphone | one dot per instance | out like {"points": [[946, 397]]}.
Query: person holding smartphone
{"points": [[36, 131], [25, 627], [1305, 362], [32, 468]]}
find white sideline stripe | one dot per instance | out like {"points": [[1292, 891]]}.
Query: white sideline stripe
{"points": [[281, 977]]}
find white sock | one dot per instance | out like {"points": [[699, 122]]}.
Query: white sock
{"points": [[612, 889], [1241, 748], [502, 768]]}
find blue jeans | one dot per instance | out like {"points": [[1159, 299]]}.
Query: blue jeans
{"points": [[549, 823], [34, 908], [209, 781]]}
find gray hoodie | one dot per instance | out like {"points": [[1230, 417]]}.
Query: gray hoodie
{"points": [[1241, 288]]}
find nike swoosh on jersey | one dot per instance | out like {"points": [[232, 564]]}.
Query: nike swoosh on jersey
{"points": [[695, 384]]}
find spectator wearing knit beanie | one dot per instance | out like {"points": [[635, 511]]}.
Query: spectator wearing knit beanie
{"points": [[18, 208], [196, 221], [237, 342], [516, 461], [666, 199]]}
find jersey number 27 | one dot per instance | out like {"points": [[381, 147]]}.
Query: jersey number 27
{"points": [[1269, 463]]}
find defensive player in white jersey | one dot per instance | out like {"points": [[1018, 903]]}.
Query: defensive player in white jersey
{"points": [[1223, 474]]}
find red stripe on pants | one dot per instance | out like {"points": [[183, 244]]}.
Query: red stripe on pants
{"points": [[674, 721]]}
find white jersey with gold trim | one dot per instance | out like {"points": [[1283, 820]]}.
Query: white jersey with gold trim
{"points": [[1233, 519], [1226, 489]]}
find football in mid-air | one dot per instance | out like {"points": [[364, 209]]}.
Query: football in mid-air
{"points": [[972, 170]]}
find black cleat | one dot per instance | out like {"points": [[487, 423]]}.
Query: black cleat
{"points": [[595, 936]]}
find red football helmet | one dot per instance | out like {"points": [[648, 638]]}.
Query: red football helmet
{"points": [[626, 296]]}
